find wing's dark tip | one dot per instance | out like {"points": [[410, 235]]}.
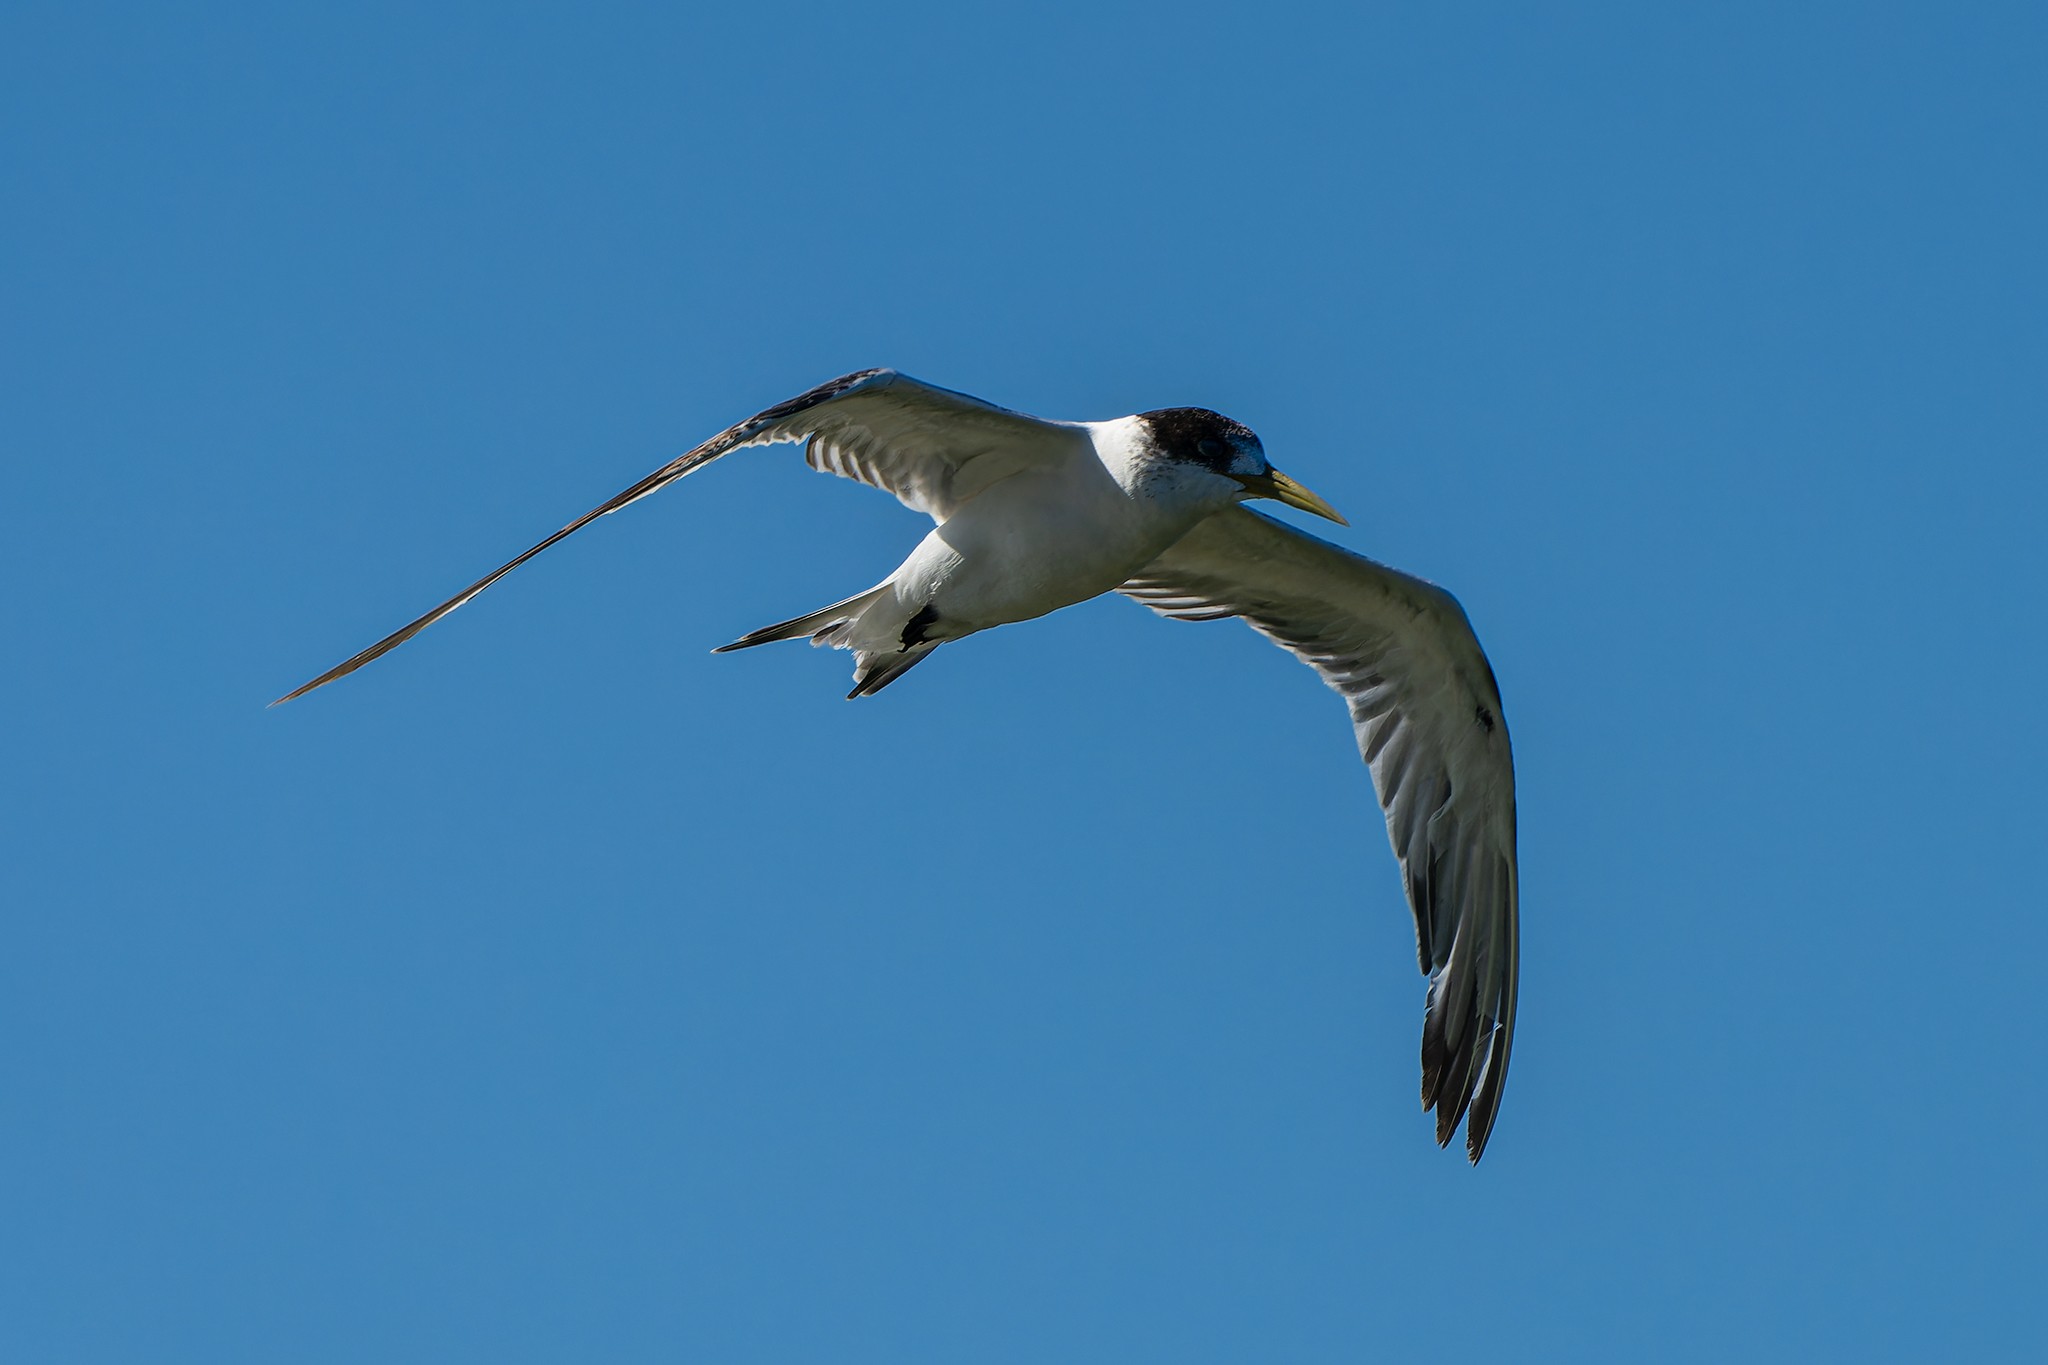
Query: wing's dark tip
{"points": [[1477, 1135], [402, 634], [298, 692], [321, 681], [1465, 1086], [1461, 1083]]}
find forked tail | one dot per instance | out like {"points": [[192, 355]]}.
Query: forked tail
{"points": [[833, 625], [823, 626]]}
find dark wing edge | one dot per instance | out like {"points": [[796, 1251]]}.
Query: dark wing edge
{"points": [[1427, 718], [932, 449], [759, 428]]}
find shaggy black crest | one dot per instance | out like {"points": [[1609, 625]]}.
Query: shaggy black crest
{"points": [[1197, 435]]}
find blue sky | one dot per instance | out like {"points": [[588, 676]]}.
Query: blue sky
{"points": [[555, 990]]}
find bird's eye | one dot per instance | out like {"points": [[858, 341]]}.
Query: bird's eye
{"points": [[1210, 447]]}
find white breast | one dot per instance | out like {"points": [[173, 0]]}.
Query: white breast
{"points": [[1047, 538]]}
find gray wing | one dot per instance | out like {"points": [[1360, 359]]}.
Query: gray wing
{"points": [[1427, 717], [931, 447]]}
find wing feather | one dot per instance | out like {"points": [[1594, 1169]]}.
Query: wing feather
{"points": [[1426, 715], [931, 447]]}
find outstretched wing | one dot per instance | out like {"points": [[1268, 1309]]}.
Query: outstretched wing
{"points": [[933, 448], [1427, 717]]}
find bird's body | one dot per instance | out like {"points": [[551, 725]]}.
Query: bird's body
{"points": [[1032, 515], [1057, 531], [1047, 538]]}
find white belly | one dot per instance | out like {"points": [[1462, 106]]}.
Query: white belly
{"points": [[1030, 545]]}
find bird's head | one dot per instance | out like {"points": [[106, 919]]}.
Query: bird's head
{"points": [[1226, 456]]}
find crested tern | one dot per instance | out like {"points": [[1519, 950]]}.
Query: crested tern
{"points": [[1034, 515]]}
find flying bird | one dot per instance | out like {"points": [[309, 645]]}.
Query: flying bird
{"points": [[1034, 515]]}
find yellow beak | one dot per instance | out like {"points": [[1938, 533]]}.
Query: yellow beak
{"points": [[1280, 488]]}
